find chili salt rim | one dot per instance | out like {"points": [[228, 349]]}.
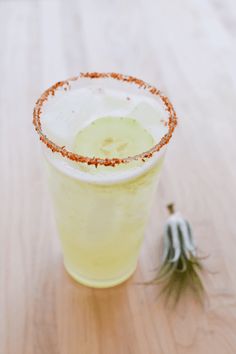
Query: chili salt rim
{"points": [[172, 120]]}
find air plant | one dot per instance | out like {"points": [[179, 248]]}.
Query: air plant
{"points": [[180, 265]]}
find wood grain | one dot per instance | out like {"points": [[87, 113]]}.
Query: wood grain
{"points": [[187, 48]]}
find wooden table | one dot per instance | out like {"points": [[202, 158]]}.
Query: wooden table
{"points": [[186, 48]]}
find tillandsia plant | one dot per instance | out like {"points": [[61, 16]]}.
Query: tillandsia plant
{"points": [[180, 265]]}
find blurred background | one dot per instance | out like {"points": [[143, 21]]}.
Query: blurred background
{"points": [[187, 48]]}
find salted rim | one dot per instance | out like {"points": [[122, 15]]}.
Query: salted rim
{"points": [[172, 120]]}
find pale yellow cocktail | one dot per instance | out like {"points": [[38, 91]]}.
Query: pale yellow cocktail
{"points": [[101, 211]]}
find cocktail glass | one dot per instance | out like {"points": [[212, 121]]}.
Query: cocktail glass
{"points": [[102, 204]]}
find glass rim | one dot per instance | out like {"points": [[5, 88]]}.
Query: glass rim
{"points": [[96, 161]]}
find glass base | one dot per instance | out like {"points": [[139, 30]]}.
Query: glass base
{"points": [[99, 283]]}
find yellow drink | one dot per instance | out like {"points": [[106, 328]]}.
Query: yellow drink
{"points": [[102, 210], [101, 226]]}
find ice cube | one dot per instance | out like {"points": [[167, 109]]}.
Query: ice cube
{"points": [[151, 116]]}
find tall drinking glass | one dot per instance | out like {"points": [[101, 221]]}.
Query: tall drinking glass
{"points": [[104, 136]]}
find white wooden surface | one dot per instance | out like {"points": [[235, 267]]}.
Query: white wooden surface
{"points": [[185, 47]]}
